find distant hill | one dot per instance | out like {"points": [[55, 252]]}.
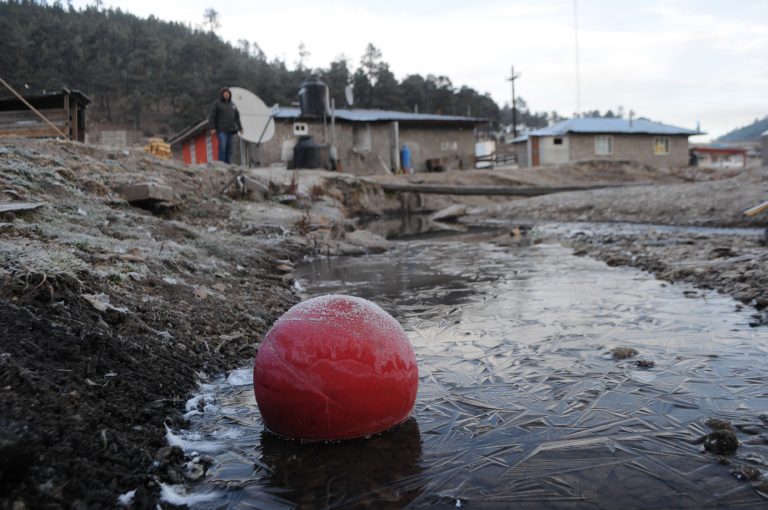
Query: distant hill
{"points": [[750, 133], [159, 76]]}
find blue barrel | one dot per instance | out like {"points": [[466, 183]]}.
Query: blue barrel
{"points": [[405, 158]]}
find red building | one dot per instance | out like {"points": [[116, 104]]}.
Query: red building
{"points": [[197, 144], [719, 156]]}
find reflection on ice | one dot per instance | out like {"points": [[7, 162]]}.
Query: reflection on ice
{"points": [[521, 400]]}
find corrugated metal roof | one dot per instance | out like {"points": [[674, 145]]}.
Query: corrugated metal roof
{"points": [[46, 97], [603, 125], [361, 115], [189, 132], [365, 115]]}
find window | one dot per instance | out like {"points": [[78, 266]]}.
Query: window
{"points": [[661, 146], [558, 141], [300, 128], [603, 145]]}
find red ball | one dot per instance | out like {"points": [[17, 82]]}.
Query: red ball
{"points": [[335, 367]]}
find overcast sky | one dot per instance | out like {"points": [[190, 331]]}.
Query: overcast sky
{"points": [[675, 61]]}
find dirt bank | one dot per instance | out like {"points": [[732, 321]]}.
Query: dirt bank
{"points": [[110, 313], [686, 197]]}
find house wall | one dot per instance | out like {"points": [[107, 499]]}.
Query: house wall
{"points": [[354, 160], [552, 154], [454, 145], [709, 159], [521, 150], [637, 148], [280, 147], [204, 148], [364, 162]]}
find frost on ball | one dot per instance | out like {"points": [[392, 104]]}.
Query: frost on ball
{"points": [[335, 367]]}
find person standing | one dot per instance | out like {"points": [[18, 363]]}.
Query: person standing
{"points": [[224, 121]]}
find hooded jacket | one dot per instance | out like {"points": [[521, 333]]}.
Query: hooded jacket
{"points": [[223, 115]]}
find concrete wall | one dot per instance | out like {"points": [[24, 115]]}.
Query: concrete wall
{"points": [[637, 148], [455, 145], [709, 160], [554, 154], [360, 161], [280, 147], [521, 149]]}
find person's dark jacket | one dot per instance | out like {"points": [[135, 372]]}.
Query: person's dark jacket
{"points": [[223, 115]]}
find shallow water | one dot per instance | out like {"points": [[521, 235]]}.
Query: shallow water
{"points": [[520, 403]]}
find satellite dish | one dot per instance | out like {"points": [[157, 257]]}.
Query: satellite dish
{"points": [[348, 95], [255, 116]]}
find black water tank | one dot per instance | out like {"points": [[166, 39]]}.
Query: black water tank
{"points": [[313, 97], [306, 153]]}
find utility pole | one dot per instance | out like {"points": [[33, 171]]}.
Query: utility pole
{"points": [[576, 55], [512, 78]]}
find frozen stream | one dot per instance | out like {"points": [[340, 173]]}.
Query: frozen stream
{"points": [[520, 403]]}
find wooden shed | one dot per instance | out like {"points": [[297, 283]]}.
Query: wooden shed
{"points": [[196, 144], [64, 109]]}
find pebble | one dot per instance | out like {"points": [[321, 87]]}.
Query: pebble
{"points": [[746, 472], [720, 442], [718, 424], [623, 352]]}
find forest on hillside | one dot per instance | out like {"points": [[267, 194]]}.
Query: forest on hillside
{"points": [[749, 133], [159, 76]]}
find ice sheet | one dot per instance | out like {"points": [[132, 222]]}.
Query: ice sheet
{"points": [[521, 402]]}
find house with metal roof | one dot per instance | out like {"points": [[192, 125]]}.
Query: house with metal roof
{"points": [[590, 138], [370, 141], [366, 141], [719, 155]]}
